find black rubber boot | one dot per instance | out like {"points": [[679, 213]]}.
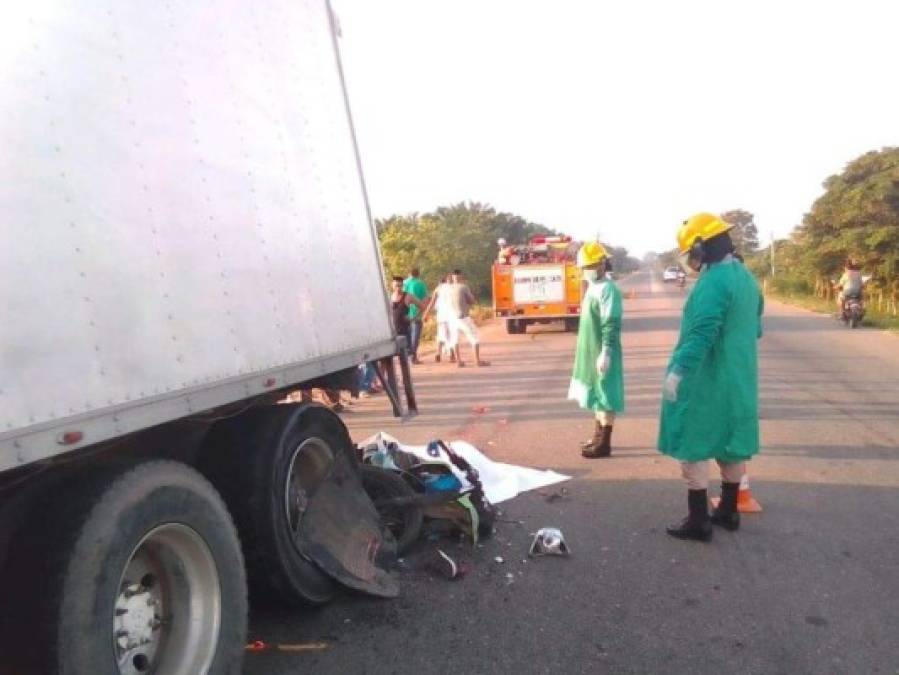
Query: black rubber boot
{"points": [[601, 449], [696, 525], [726, 514], [589, 450]]}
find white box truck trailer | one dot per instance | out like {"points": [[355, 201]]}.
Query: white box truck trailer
{"points": [[184, 236]]}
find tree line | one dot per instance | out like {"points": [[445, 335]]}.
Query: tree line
{"points": [[461, 236], [857, 217]]}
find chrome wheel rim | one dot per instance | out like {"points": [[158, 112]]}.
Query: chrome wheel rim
{"points": [[309, 466], [168, 610]]}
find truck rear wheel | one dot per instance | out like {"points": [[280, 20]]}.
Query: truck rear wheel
{"points": [[134, 572], [515, 326], [265, 463]]}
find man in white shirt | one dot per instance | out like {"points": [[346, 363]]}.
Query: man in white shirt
{"points": [[461, 300], [440, 301]]}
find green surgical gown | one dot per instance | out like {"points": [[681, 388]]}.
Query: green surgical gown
{"points": [[716, 413], [600, 327]]}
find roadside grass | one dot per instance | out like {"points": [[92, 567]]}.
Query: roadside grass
{"points": [[873, 318]]}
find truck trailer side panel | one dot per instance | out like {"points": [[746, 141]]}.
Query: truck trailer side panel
{"points": [[183, 221]]}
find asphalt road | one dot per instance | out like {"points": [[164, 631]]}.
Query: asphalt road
{"points": [[811, 585]]}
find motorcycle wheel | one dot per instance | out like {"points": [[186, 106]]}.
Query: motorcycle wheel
{"points": [[404, 522]]}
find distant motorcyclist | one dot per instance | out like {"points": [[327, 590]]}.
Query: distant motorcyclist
{"points": [[850, 284]]}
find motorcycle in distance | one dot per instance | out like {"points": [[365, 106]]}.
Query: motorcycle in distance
{"points": [[852, 310]]}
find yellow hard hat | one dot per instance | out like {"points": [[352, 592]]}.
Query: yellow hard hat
{"points": [[591, 253], [702, 226]]}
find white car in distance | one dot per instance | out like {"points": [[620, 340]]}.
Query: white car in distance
{"points": [[670, 274]]}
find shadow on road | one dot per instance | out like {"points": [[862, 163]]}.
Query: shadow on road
{"points": [[783, 595]]}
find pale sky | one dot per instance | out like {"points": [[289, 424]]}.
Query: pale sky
{"points": [[621, 118]]}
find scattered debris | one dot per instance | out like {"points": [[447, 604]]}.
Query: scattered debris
{"points": [[510, 520], [500, 481], [480, 409], [257, 646], [442, 564], [499, 559], [555, 496], [549, 541], [510, 577], [304, 647]]}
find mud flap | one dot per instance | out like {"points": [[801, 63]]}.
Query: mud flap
{"points": [[341, 533]]}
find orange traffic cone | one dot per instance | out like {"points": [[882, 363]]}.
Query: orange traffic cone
{"points": [[746, 503]]}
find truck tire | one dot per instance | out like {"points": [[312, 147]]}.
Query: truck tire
{"points": [[515, 326], [130, 571], [264, 462], [404, 522], [571, 325]]}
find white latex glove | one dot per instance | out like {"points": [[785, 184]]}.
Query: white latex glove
{"points": [[603, 362], [672, 382]]}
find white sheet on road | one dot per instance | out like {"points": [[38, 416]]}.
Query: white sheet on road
{"points": [[501, 481]]}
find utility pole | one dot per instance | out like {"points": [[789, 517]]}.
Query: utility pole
{"points": [[772, 253]]}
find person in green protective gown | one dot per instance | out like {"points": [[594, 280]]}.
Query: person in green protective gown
{"points": [[710, 394], [597, 383]]}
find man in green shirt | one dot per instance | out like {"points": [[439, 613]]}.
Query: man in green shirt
{"points": [[415, 287]]}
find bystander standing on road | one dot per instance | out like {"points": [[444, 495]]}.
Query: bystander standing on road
{"points": [[414, 286], [400, 303], [461, 300], [441, 303], [710, 406], [597, 383]]}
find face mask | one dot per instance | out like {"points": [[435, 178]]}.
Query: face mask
{"points": [[686, 262], [591, 275]]}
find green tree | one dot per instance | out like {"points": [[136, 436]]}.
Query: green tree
{"points": [[461, 236], [622, 262], [857, 216], [745, 234], [668, 258]]}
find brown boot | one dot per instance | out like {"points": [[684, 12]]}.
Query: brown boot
{"points": [[601, 445]]}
